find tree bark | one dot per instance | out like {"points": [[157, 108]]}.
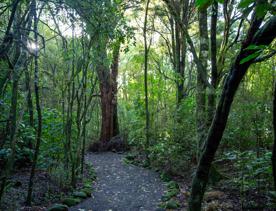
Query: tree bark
{"points": [[38, 108], [146, 51], [214, 72], [201, 86], [108, 89], [273, 158], [255, 36]]}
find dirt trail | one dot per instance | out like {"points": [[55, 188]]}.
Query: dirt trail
{"points": [[122, 187]]}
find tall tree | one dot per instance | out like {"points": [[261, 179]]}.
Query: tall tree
{"points": [[37, 102], [146, 52], [201, 78]]}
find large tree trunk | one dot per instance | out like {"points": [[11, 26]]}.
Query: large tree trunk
{"points": [[108, 91], [264, 36]]}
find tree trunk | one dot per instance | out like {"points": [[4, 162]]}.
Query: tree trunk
{"points": [[273, 158], [201, 86], [29, 98], [146, 51], [114, 75], [237, 71], [214, 73], [108, 89], [38, 108]]}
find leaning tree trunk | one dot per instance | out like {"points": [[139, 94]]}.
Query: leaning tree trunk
{"points": [[263, 36]]}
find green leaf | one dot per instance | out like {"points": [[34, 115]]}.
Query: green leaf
{"points": [[256, 47], [203, 3], [250, 57], [245, 3], [262, 9]]}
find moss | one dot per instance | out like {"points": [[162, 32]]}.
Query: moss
{"points": [[87, 191], [70, 201], [58, 207], [172, 185], [165, 177], [80, 194], [171, 204]]}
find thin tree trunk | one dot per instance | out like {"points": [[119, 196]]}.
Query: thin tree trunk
{"points": [[201, 86], [29, 97], [214, 73], [37, 102], [273, 158], [146, 51]]}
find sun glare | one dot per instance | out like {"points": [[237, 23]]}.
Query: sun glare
{"points": [[32, 46]]}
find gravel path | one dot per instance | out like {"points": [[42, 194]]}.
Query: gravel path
{"points": [[121, 187]]}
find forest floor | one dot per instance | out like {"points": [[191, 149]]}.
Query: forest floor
{"points": [[119, 187], [122, 187]]}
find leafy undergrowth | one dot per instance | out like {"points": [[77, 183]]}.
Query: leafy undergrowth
{"points": [[48, 193]]}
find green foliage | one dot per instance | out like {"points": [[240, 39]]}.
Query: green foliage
{"points": [[52, 138], [70, 201], [254, 170]]}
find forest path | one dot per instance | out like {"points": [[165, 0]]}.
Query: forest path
{"points": [[121, 187]]}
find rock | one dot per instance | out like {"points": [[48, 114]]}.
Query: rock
{"points": [[58, 207], [212, 195], [172, 204], [70, 201], [80, 194]]}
